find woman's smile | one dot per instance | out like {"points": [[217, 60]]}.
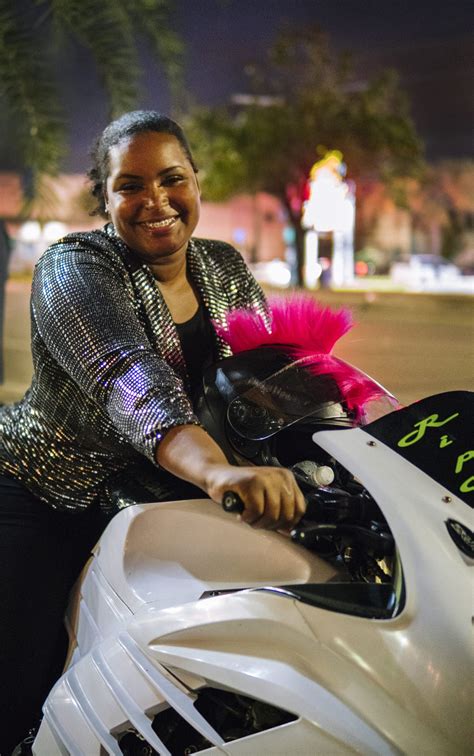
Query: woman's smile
{"points": [[156, 225], [158, 228]]}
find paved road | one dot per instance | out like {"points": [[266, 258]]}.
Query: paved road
{"points": [[414, 344]]}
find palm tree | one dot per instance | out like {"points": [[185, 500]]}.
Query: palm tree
{"points": [[32, 33]]}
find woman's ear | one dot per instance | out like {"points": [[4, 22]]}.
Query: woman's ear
{"points": [[198, 184]]}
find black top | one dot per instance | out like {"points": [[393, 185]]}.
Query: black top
{"points": [[197, 344]]}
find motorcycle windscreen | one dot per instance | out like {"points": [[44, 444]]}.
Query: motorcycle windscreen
{"points": [[435, 434], [308, 387]]}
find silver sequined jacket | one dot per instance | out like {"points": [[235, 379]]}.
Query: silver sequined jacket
{"points": [[109, 374]]}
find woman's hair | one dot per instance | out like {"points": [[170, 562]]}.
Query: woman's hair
{"points": [[135, 122]]}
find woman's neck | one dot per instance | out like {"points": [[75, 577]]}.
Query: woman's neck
{"points": [[170, 271], [179, 295]]}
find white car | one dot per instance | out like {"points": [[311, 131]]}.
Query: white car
{"points": [[425, 272]]}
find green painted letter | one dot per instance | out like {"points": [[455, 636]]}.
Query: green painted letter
{"points": [[462, 459]]}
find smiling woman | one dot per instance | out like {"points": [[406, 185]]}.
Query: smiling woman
{"points": [[123, 326], [155, 209], [152, 197]]}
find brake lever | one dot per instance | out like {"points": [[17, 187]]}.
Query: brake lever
{"points": [[324, 506], [316, 503], [310, 535], [328, 504]]}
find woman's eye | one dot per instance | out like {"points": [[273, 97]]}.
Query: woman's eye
{"points": [[129, 187], [174, 179]]}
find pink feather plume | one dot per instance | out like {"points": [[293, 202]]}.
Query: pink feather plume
{"points": [[297, 321], [306, 330]]}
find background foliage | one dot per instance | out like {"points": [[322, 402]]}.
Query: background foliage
{"points": [[34, 36], [306, 100]]}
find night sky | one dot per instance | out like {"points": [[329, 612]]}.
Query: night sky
{"points": [[430, 43]]}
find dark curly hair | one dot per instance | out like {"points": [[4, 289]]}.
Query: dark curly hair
{"points": [[135, 122]]}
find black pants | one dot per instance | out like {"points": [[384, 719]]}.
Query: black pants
{"points": [[42, 552]]}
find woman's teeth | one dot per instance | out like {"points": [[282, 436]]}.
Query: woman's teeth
{"points": [[160, 224]]}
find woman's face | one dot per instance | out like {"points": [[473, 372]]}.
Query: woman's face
{"points": [[152, 195]]}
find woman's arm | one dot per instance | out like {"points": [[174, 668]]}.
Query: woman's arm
{"points": [[86, 317], [270, 494]]}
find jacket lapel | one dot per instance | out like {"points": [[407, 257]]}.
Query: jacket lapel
{"points": [[156, 317], [160, 326], [214, 296]]}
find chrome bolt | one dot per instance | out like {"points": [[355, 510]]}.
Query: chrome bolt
{"points": [[446, 499], [371, 443]]}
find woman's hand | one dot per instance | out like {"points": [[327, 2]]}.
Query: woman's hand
{"points": [[271, 496]]}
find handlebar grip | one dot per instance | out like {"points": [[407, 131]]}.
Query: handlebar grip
{"points": [[231, 502]]}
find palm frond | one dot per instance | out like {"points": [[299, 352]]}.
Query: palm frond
{"points": [[152, 18], [105, 28], [26, 85], [110, 30]]}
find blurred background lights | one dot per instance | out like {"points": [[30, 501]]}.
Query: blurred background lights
{"points": [[330, 204], [239, 235], [30, 232], [361, 268], [329, 209], [274, 273], [53, 231]]}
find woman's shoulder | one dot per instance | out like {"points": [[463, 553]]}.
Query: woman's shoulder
{"points": [[215, 248], [211, 244], [98, 243], [96, 237]]}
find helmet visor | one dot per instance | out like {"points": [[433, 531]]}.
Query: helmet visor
{"points": [[321, 387]]}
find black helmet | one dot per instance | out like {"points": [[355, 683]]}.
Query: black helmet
{"points": [[263, 406]]}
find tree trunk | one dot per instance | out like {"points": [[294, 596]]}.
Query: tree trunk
{"points": [[299, 238], [295, 223]]}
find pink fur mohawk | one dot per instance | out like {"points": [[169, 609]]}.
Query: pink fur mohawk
{"points": [[304, 329], [297, 321]]}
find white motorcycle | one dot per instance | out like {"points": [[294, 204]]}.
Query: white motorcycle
{"points": [[191, 632]]}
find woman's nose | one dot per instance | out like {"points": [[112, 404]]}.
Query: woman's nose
{"points": [[156, 197]]}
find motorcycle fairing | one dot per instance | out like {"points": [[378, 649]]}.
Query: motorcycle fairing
{"points": [[435, 435], [371, 600], [391, 685]]}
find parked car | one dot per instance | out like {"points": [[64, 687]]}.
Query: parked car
{"points": [[424, 272], [272, 272]]}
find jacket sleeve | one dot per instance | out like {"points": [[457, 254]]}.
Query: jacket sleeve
{"points": [[86, 317]]}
